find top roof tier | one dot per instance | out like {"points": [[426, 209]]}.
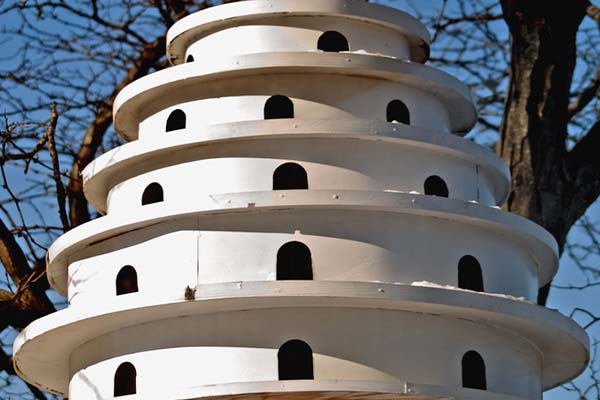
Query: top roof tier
{"points": [[364, 27]]}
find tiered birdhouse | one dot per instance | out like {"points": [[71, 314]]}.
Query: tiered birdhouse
{"points": [[296, 216]]}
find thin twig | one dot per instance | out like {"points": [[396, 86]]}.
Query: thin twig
{"points": [[61, 194]]}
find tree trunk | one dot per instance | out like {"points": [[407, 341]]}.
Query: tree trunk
{"points": [[534, 129]]}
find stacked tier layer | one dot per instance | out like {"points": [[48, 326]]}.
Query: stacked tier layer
{"points": [[297, 216]]}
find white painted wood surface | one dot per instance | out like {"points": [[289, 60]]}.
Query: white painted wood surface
{"points": [[558, 341], [257, 211], [383, 315], [426, 148], [234, 76], [313, 14]]}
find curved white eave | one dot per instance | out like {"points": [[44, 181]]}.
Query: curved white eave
{"points": [[79, 242], [334, 390], [141, 156], [182, 83], [42, 350], [201, 24]]}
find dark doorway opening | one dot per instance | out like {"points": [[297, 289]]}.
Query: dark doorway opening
{"points": [[469, 274], [333, 41], [435, 186], [278, 106], [294, 262], [398, 112], [176, 121], [127, 281], [152, 194], [473, 371], [125, 380], [290, 176], [295, 361]]}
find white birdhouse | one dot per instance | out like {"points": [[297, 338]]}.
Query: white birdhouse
{"points": [[296, 216]]}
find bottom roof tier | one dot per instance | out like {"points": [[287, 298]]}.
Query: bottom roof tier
{"points": [[318, 390], [343, 337]]}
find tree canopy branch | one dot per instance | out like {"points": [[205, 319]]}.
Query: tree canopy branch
{"points": [[78, 206], [584, 166], [593, 89]]}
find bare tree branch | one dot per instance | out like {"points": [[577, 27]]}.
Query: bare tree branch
{"points": [[60, 189], [591, 91]]}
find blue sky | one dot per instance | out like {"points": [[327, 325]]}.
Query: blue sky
{"points": [[563, 300]]}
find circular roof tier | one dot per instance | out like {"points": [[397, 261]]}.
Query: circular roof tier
{"points": [[201, 24], [86, 240], [562, 344], [141, 156], [155, 92], [337, 390]]}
